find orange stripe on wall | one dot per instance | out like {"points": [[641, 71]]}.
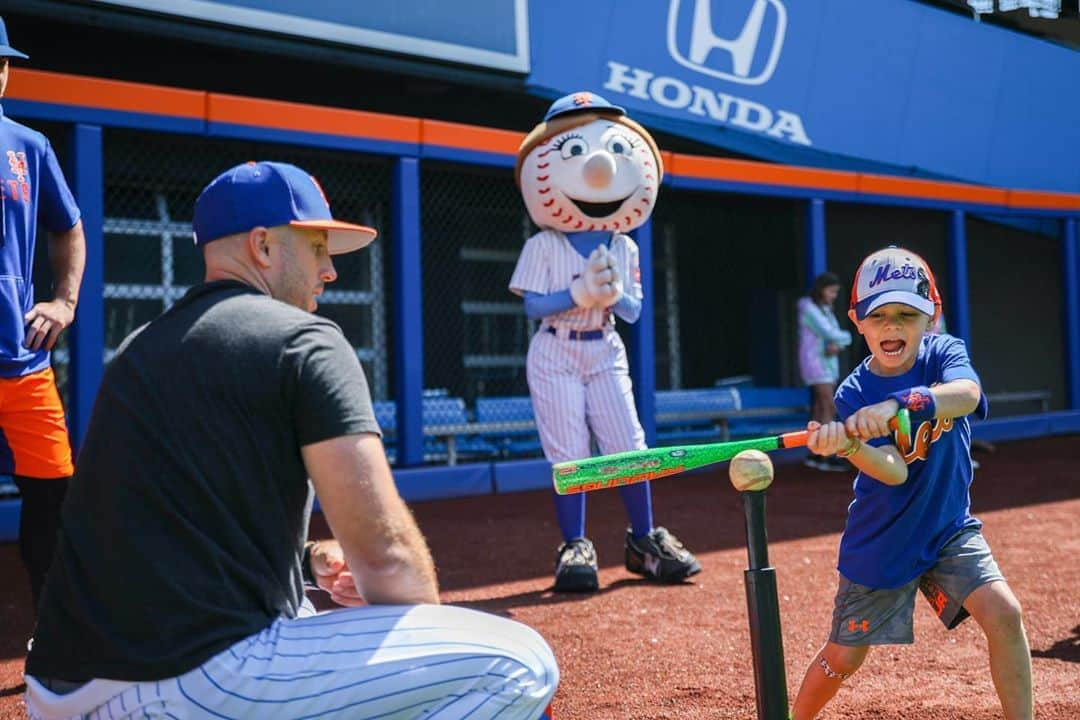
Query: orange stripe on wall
{"points": [[311, 118], [1043, 200], [78, 91], [668, 158], [746, 171], [49, 87], [929, 189], [470, 137]]}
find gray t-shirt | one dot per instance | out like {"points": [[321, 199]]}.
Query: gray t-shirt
{"points": [[185, 521]]}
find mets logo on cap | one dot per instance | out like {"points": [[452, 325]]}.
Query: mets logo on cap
{"points": [[894, 275]]}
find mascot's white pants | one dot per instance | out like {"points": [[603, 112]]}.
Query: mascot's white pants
{"points": [[578, 385]]}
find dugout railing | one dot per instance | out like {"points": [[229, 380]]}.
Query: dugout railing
{"points": [[427, 305]]}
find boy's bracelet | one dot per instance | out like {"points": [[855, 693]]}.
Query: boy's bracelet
{"points": [[918, 401], [851, 449]]}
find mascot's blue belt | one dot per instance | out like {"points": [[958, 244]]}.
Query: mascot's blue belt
{"points": [[579, 334]]}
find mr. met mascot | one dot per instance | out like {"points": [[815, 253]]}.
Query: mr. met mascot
{"points": [[589, 175]]}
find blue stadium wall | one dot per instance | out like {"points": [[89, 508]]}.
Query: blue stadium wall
{"points": [[732, 244]]}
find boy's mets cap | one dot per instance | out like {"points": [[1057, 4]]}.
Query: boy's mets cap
{"points": [[268, 194], [894, 275]]}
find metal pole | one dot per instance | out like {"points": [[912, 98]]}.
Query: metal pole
{"points": [[86, 338], [814, 241], [763, 608], [408, 312], [643, 338]]}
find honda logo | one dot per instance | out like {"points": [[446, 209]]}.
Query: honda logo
{"points": [[731, 46]]}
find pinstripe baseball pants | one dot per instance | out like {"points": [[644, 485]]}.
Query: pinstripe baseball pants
{"points": [[389, 662]]}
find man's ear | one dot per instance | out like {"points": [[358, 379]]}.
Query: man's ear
{"points": [[258, 246]]}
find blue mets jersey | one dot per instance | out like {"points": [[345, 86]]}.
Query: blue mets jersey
{"points": [[893, 533], [32, 189]]}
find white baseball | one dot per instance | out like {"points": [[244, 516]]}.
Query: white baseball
{"points": [[751, 470]]}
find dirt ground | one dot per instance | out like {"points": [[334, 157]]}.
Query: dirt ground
{"points": [[645, 652]]}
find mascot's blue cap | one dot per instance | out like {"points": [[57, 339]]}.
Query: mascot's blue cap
{"points": [[581, 102]]}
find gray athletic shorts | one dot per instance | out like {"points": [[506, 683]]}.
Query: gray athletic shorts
{"points": [[865, 616]]}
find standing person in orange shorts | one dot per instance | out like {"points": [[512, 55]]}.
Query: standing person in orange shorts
{"points": [[34, 445]]}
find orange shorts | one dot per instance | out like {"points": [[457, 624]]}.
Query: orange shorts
{"points": [[33, 435]]}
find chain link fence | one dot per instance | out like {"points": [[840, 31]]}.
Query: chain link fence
{"points": [[476, 333], [727, 271], [151, 183], [1017, 345]]}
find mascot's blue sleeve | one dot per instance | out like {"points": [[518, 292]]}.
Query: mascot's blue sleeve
{"points": [[538, 305], [628, 308]]}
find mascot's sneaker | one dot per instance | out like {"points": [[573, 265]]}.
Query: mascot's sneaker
{"points": [[660, 556], [575, 567]]}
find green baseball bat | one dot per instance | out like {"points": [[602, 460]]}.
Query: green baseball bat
{"points": [[626, 468]]}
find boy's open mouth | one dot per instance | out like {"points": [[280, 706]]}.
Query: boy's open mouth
{"points": [[892, 348]]}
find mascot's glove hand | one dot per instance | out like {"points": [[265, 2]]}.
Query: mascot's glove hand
{"points": [[602, 278], [598, 274], [580, 294], [612, 290], [586, 289]]}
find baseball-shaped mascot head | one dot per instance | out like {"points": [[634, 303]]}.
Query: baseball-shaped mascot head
{"points": [[588, 167]]}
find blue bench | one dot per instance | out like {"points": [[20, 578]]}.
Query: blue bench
{"points": [[504, 426], [508, 422], [448, 433], [730, 411], [696, 415], [682, 416], [770, 411]]}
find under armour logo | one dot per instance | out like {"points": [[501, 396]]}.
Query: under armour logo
{"points": [[855, 626]]}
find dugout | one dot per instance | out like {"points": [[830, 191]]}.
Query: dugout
{"points": [[144, 109]]}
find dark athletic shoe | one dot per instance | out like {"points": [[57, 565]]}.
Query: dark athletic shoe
{"points": [[575, 567], [660, 556]]}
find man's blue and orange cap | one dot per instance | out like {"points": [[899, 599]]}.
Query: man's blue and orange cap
{"points": [[269, 194]]}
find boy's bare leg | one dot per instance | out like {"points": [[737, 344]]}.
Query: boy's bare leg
{"points": [[823, 680], [998, 612]]}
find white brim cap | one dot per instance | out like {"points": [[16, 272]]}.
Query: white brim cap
{"points": [[902, 297]]}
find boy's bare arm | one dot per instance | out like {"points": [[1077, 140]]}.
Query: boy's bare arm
{"points": [[882, 463], [956, 398], [952, 399]]}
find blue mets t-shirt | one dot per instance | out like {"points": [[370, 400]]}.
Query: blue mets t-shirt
{"points": [[32, 188], [894, 533]]}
